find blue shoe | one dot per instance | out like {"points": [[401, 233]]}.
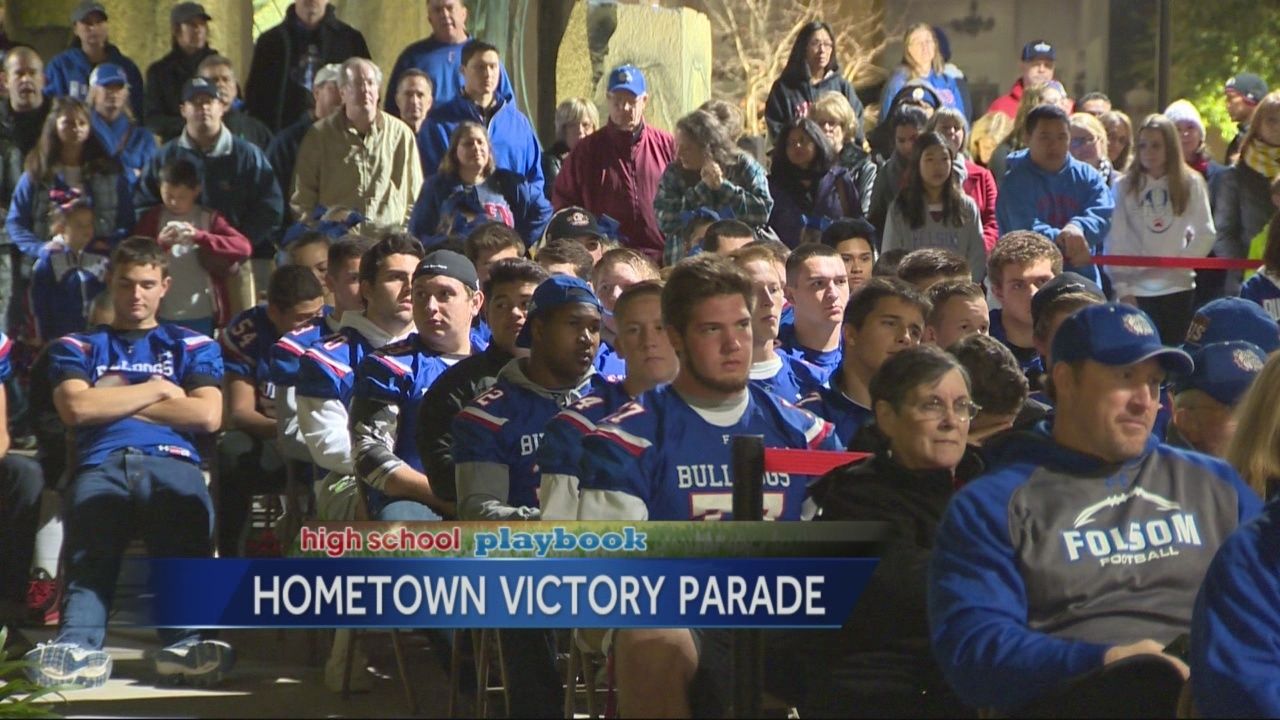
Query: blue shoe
{"points": [[67, 664], [196, 662]]}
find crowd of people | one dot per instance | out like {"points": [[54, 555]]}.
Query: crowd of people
{"points": [[456, 324]]}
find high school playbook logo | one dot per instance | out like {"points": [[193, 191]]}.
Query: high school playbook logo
{"points": [[1135, 540]]}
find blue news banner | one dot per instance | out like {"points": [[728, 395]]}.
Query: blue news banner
{"points": [[603, 591]]}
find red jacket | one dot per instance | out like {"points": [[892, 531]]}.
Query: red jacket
{"points": [[616, 173], [222, 246], [980, 185], [1008, 104]]}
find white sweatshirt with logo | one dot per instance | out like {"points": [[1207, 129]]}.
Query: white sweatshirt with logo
{"points": [[1146, 225]]}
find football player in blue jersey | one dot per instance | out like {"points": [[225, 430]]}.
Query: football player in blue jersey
{"points": [[884, 317], [818, 289], [666, 456], [21, 483], [485, 245], [136, 392], [618, 269], [391, 381], [651, 361], [507, 293], [249, 460], [786, 376]]}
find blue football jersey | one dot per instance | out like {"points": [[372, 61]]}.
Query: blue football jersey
{"points": [[327, 369], [835, 407], [286, 354], [399, 374], [826, 361], [792, 381], [609, 363], [505, 425], [1262, 289], [561, 450], [105, 356], [663, 452], [246, 351]]}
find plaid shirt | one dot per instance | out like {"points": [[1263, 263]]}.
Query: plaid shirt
{"points": [[745, 191]]}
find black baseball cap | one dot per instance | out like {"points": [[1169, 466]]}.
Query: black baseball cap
{"points": [[1038, 50], [573, 222], [85, 9], [1252, 87], [447, 263], [186, 12], [1065, 283]]}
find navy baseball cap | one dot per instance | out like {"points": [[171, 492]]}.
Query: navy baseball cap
{"points": [[1115, 334], [1252, 87], [186, 12], [1064, 284], [555, 291], [198, 86], [629, 78], [108, 74], [1038, 50], [1224, 370], [85, 9], [447, 263], [1233, 318]]}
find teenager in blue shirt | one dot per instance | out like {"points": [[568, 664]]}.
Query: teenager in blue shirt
{"points": [[136, 393], [786, 376], [818, 288]]}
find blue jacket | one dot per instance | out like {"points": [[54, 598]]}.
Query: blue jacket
{"points": [[239, 184], [63, 287], [128, 142], [1234, 659], [1033, 199], [1054, 556], [442, 62], [945, 86], [67, 74], [504, 196], [515, 144], [28, 220]]}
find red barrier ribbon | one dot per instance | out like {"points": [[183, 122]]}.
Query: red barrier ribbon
{"points": [[807, 462], [1207, 263]]}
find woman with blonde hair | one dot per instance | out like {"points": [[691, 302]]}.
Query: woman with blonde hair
{"points": [[1089, 145], [1162, 210], [1119, 139], [986, 134], [1244, 189], [1254, 450], [576, 118], [835, 117], [922, 60]]}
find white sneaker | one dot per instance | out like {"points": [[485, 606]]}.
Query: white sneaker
{"points": [[198, 662], [55, 664]]}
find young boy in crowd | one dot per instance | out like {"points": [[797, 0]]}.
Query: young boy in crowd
{"points": [[818, 288], [959, 310], [566, 257], [617, 270], [69, 274], [855, 240], [926, 267], [1021, 263]]}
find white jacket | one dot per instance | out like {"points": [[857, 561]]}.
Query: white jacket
{"points": [[1146, 225]]}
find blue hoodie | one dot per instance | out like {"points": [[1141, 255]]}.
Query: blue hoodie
{"points": [[128, 142], [1033, 199], [515, 144], [503, 196], [67, 74], [442, 62], [1054, 556], [1235, 663]]}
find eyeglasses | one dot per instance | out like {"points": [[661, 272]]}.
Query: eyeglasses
{"points": [[935, 409], [1079, 142], [821, 45]]}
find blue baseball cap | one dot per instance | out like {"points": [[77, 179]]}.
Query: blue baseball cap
{"points": [[108, 74], [1233, 318], [629, 78], [555, 291], [1224, 370], [199, 86], [1115, 334]]}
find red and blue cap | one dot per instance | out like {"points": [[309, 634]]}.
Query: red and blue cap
{"points": [[1115, 334], [553, 292]]}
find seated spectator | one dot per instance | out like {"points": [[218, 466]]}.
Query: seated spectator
{"points": [[438, 55], [490, 243], [1253, 449], [855, 240], [311, 251], [283, 150], [784, 375], [880, 664], [1186, 118], [723, 237], [978, 182], [566, 257], [387, 149], [579, 224], [1205, 401], [121, 136], [1119, 139], [1052, 193], [67, 74], [138, 470], [617, 170], [469, 185], [1045, 627], [203, 249], [932, 211], [1162, 210], [708, 171], [220, 73], [835, 117], [987, 134], [616, 271], [1019, 266], [906, 125], [1243, 199], [1038, 60], [70, 274], [916, 94], [21, 484], [921, 60], [884, 317], [235, 178], [1089, 146], [812, 68], [189, 44], [484, 101], [806, 184], [1033, 97], [959, 309], [249, 459], [696, 225], [1000, 390], [576, 118], [287, 57], [927, 267], [817, 286]]}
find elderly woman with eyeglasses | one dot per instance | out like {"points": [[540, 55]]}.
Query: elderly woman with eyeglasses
{"points": [[880, 663]]}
